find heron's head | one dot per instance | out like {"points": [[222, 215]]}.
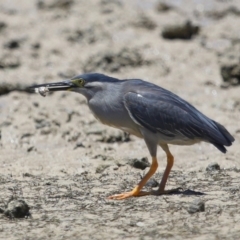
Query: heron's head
{"points": [[87, 84]]}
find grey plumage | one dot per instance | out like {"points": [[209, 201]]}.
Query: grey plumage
{"points": [[166, 113]]}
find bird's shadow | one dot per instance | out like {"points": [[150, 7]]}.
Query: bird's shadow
{"points": [[187, 192], [152, 183]]}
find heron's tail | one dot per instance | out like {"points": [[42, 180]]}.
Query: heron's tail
{"points": [[225, 138]]}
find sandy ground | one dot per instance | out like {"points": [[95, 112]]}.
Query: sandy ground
{"points": [[63, 163]]}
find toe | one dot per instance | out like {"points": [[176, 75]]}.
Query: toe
{"points": [[128, 195], [121, 196]]}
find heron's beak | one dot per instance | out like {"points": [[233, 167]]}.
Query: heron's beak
{"points": [[42, 89], [58, 86]]}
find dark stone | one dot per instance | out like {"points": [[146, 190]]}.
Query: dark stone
{"points": [[152, 183], [231, 73], [36, 45], [17, 209], [196, 206], [107, 6], [139, 163], [3, 25], [213, 167], [30, 149], [12, 44], [112, 138], [79, 145], [163, 7], [180, 31], [102, 167], [27, 175], [48, 4]]}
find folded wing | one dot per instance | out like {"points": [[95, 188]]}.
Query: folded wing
{"points": [[164, 112]]}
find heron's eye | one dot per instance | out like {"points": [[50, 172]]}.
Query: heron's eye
{"points": [[79, 82]]}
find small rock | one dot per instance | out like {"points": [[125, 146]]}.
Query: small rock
{"points": [[17, 209], [163, 7], [47, 183], [139, 163], [213, 167], [26, 135], [63, 4], [151, 183], [12, 44], [2, 25], [231, 73], [36, 104], [140, 224], [79, 145], [27, 175], [225, 85], [103, 157], [30, 149], [196, 206], [41, 123], [115, 136], [180, 31], [209, 83], [102, 167], [36, 45], [109, 6]]}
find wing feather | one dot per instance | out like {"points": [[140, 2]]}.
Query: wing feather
{"points": [[163, 117], [160, 110]]}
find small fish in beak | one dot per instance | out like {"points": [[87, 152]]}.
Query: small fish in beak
{"points": [[42, 91]]}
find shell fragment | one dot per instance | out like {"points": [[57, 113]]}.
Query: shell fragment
{"points": [[42, 91]]}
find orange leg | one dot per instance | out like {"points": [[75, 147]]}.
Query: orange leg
{"points": [[136, 192], [170, 161], [161, 189]]}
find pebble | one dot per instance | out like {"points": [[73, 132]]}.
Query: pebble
{"points": [[139, 163], [17, 209], [213, 167], [140, 224], [196, 206]]}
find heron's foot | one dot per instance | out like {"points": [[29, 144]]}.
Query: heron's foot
{"points": [[163, 192], [134, 193], [125, 195]]}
